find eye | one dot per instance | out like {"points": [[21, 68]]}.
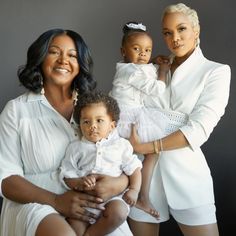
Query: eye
{"points": [[136, 49], [53, 51], [148, 50], [85, 122], [166, 33], [100, 120], [182, 28], [72, 55]]}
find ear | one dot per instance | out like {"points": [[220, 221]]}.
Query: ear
{"points": [[113, 125], [197, 32], [122, 50]]}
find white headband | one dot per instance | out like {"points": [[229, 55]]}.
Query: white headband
{"points": [[136, 26]]}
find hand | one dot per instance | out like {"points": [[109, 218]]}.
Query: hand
{"points": [[131, 196], [142, 148], [107, 186], [161, 59], [72, 204], [86, 183]]}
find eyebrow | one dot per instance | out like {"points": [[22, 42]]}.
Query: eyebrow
{"points": [[180, 24]]}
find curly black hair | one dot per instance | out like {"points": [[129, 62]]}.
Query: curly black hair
{"points": [[87, 99], [31, 76]]}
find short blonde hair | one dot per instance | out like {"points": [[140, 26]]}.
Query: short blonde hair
{"points": [[189, 12]]}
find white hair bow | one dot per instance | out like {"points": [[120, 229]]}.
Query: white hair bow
{"points": [[136, 26]]}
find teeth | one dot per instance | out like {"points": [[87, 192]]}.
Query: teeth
{"points": [[61, 70]]}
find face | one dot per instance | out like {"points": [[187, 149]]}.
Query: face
{"points": [[60, 65], [137, 49], [95, 122], [179, 34]]}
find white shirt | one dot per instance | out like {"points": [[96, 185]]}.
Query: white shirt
{"points": [[110, 156], [132, 81], [33, 140]]}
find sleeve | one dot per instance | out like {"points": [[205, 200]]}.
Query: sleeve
{"points": [[10, 147], [69, 167], [209, 108], [146, 82], [130, 161]]}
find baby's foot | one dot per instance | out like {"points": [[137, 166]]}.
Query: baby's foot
{"points": [[147, 206]]}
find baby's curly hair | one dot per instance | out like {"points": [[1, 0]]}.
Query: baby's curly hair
{"points": [[89, 98]]}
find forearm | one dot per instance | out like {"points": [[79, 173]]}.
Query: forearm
{"points": [[107, 187], [18, 189], [173, 141], [135, 180]]}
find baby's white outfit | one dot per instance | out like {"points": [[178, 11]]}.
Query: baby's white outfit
{"points": [[111, 156], [132, 83]]}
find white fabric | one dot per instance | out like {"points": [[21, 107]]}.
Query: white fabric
{"points": [[200, 89], [132, 81], [33, 140], [111, 156]]}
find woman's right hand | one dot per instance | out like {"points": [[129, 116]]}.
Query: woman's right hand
{"points": [[72, 204]]}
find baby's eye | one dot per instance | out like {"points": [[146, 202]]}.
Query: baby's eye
{"points": [[100, 120], [148, 50], [86, 122], [136, 49]]}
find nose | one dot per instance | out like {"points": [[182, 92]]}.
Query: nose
{"points": [[142, 53], [93, 126], [176, 37], [63, 58]]}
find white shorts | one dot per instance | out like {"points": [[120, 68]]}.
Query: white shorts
{"points": [[201, 215]]}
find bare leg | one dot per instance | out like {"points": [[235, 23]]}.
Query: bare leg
{"points": [[112, 217], [199, 230], [143, 228], [78, 226], [54, 225], [143, 202]]}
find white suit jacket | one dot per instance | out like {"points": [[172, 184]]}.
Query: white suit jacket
{"points": [[199, 88]]}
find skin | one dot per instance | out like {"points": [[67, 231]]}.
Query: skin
{"points": [[180, 37], [59, 68], [137, 48]]}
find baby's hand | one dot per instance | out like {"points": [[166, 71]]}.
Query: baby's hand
{"points": [[161, 60], [131, 196], [89, 182]]}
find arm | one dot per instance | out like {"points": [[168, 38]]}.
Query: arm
{"points": [[107, 187], [81, 184], [70, 204], [173, 141], [131, 195]]}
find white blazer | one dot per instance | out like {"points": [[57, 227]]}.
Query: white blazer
{"points": [[199, 88]]}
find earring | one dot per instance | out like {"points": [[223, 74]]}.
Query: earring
{"points": [[42, 92], [75, 97]]}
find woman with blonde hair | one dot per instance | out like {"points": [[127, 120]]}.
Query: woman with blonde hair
{"points": [[182, 184]]}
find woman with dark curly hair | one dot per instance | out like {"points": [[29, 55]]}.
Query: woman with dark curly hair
{"points": [[35, 130]]}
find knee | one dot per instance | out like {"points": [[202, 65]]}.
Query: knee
{"points": [[116, 216]]}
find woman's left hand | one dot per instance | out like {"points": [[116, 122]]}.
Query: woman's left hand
{"points": [[142, 148]]}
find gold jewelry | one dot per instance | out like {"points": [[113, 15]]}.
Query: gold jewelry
{"points": [[161, 145], [155, 146]]}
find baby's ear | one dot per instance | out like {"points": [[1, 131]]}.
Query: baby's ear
{"points": [[122, 50], [113, 124]]}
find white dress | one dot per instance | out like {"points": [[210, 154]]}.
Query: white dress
{"points": [[33, 141], [200, 89], [131, 84]]}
